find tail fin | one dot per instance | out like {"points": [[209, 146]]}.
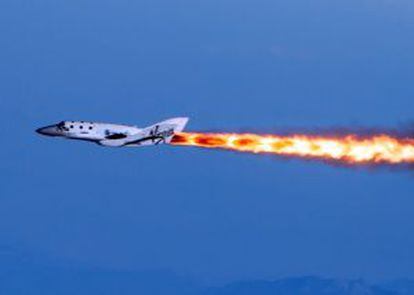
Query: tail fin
{"points": [[178, 123], [166, 130]]}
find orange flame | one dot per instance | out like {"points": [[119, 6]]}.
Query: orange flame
{"points": [[353, 149]]}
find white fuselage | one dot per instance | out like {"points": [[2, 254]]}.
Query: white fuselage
{"points": [[114, 134], [96, 131]]}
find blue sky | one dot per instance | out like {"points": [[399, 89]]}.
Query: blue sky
{"points": [[229, 65]]}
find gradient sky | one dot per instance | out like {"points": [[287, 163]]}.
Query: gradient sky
{"points": [[229, 65]]}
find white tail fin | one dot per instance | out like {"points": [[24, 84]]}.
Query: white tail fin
{"points": [[165, 130], [178, 123]]}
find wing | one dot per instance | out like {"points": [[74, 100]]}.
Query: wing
{"points": [[156, 134], [161, 132]]}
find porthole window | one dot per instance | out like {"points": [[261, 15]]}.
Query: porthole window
{"points": [[90, 127], [80, 127], [71, 126]]}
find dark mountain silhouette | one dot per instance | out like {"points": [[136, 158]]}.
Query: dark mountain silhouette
{"points": [[21, 274], [401, 287], [301, 286], [65, 282], [45, 281]]}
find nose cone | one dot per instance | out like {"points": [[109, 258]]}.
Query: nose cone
{"points": [[49, 131]]}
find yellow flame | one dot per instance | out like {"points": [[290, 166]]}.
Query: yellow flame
{"points": [[381, 148]]}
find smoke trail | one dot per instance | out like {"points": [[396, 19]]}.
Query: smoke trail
{"points": [[380, 148]]}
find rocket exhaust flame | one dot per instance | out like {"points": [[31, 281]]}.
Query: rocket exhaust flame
{"points": [[351, 149]]}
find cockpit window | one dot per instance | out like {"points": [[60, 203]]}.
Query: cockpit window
{"points": [[61, 126]]}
